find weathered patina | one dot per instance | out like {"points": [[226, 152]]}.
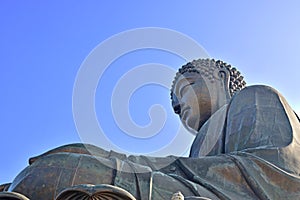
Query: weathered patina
{"points": [[246, 147]]}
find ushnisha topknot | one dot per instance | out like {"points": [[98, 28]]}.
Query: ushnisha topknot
{"points": [[207, 67]]}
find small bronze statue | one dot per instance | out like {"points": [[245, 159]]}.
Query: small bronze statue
{"points": [[246, 147]]}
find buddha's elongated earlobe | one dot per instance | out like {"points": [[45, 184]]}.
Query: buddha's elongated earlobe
{"points": [[224, 75], [235, 81]]}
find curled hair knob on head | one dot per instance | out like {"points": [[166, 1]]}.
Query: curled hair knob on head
{"points": [[207, 67]]}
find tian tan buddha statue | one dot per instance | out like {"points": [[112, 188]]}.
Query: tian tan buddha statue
{"points": [[247, 147]]}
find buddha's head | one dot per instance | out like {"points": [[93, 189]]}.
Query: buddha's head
{"points": [[200, 88]]}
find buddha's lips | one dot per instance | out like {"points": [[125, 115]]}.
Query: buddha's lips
{"points": [[184, 113]]}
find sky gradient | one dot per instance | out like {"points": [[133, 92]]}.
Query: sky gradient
{"points": [[43, 45]]}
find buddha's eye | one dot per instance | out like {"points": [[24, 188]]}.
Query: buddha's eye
{"points": [[185, 88]]}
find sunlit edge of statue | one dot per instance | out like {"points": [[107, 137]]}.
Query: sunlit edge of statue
{"points": [[246, 147]]}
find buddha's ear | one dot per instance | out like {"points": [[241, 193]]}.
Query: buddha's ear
{"points": [[224, 75]]}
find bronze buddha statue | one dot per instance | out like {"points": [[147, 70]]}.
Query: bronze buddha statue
{"points": [[246, 147]]}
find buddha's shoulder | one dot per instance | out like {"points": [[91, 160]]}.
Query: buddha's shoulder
{"points": [[255, 91], [256, 96]]}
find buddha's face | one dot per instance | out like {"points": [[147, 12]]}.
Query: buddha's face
{"points": [[192, 101]]}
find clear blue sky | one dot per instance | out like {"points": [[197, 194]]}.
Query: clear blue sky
{"points": [[44, 44]]}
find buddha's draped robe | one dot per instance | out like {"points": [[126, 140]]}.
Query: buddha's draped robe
{"points": [[249, 149]]}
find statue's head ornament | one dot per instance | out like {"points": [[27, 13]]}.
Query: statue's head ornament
{"points": [[213, 71]]}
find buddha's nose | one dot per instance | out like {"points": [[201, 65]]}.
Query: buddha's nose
{"points": [[177, 107]]}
